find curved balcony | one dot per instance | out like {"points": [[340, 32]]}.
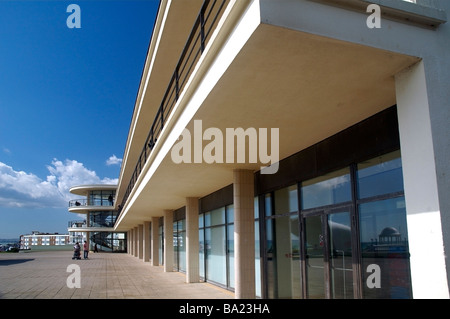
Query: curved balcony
{"points": [[83, 205], [81, 226]]}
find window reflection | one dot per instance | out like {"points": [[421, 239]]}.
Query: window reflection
{"points": [[283, 247], [328, 189], [380, 175], [384, 243]]}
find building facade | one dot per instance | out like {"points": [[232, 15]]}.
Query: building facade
{"points": [[294, 149], [97, 228], [43, 240]]}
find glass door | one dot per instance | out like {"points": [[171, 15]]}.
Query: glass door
{"points": [[329, 255], [314, 257]]}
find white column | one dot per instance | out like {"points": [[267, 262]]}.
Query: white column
{"points": [[428, 271]]}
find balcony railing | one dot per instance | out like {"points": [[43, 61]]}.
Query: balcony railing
{"points": [[95, 202], [77, 224], [204, 24]]}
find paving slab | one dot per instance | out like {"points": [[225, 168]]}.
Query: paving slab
{"points": [[54, 275]]}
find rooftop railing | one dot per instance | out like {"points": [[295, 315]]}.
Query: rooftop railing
{"points": [[195, 45]]}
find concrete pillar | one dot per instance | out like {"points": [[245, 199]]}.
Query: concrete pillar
{"points": [[155, 241], [192, 243], [146, 243], [135, 241], [244, 234], [428, 269], [131, 242], [168, 240], [140, 241]]}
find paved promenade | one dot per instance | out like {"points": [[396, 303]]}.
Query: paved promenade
{"points": [[44, 275]]}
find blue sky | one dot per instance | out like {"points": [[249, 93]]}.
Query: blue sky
{"points": [[66, 101]]}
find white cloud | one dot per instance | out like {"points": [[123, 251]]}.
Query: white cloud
{"points": [[21, 189], [113, 160]]}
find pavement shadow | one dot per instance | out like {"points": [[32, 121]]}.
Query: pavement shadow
{"points": [[9, 262]]}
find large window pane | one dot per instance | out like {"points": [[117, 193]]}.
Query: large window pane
{"points": [[230, 230], [381, 175], [216, 262], [161, 244], [175, 245], [286, 200], [257, 261], [230, 214], [182, 250], [384, 248], [283, 242], [268, 204], [332, 188], [201, 256], [215, 217]]}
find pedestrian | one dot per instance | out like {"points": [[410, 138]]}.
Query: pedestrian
{"points": [[76, 251], [86, 250], [95, 248]]}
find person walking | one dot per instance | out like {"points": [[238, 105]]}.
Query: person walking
{"points": [[86, 250]]}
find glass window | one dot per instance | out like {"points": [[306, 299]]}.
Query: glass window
{"points": [[332, 188], [230, 248], [161, 244], [257, 261], [102, 198], [380, 175], [216, 263], [215, 217], [182, 250], [286, 200], [283, 257], [230, 214], [200, 221], [384, 249], [268, 204], [201, 255]]}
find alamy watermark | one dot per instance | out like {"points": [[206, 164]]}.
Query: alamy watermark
{"points": [[189, 147], [74, 279], [74, 19], [374, 20]]}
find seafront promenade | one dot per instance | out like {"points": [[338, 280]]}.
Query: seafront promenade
{"points": [[45, 275]]}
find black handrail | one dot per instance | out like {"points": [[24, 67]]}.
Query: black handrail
{"points": [[193, 49]]}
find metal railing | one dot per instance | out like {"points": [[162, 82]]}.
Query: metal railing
{"points": [[94, 202], [77, 224], [204, 24]]}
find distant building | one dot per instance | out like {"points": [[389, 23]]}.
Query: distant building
{"points": [[37, 238]]}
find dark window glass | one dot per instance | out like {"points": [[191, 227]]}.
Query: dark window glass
{"points": [[384, 249], [380, 175]]}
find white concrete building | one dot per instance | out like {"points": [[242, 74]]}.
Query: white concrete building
{"points": [[356, 204]]}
